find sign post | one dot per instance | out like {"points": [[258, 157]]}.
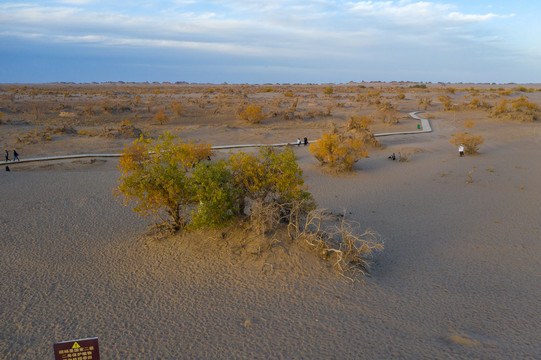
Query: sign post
{"points": [[82, 349]]}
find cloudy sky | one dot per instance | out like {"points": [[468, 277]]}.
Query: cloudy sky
{"points": [[272, 41]]}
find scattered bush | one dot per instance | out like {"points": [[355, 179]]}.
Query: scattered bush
{"points": [[447, 102], [520, 109], [338, 152], [425, 102], [471, 142], [177, 108], [387, 113], [252, 114], [161, 117], [468, 124], [124, 130], [361, 127]]}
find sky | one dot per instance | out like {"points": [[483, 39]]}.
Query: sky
{"points": [[272, 41]]}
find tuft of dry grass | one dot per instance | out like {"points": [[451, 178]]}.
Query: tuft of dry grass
{"points": [[470, 178]]}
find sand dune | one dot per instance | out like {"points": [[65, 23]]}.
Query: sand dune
{"points": [[459, 276]]}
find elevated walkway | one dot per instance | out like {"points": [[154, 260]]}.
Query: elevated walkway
{"points": [[425, 128]]}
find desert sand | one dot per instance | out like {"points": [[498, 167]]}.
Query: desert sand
{"points": [[459, 277]]}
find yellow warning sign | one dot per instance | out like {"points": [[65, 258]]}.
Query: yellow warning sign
{"points": [[80, 349]]}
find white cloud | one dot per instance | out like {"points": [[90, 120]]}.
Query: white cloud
{"points": [[419, 12], [75, 2]]}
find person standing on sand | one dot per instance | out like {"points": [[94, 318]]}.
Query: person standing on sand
{"points": [[461, 150], [7, 156], [16, 155]]}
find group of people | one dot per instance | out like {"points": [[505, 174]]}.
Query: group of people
{"points": [[15, 155], [299, 141]]}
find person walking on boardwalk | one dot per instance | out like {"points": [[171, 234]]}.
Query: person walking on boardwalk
{"points": [[305, 141], [7, 156], [461, 150], [16, 155], [298, 141]]}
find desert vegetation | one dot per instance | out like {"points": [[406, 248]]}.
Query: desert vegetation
{"points": [[338, 151], [519, 109], [179, 186], [471, 142]]}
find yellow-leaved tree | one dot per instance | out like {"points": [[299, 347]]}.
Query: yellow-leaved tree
{"points": [[161, 117], [155, 174], [339, 152]]}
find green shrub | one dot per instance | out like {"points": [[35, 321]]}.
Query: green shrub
{"points": [[218, 198]]}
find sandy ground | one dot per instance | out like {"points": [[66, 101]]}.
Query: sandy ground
{"points": [[459, 277]]}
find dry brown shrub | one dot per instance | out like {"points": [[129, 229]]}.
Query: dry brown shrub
{"points": [[177, 108], [470, 178], [425, 102], [469, 123], [125, 130], [161, 117], [36, 135], [387, 113], [293, 106], [37, 110], [264, 216], [335, 239], [361, 127], [328, 109]]}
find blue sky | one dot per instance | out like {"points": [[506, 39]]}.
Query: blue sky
{"points": [[279, 41]]}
